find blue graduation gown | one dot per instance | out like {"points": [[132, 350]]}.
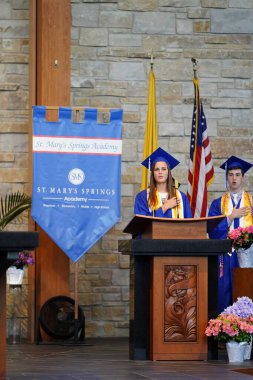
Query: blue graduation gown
{"points": [[225, 283], [141, 207]]}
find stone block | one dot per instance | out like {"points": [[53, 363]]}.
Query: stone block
{"points": [[85, 15], [140, 5], [7, 157], [184, 26], [231, 103], [201, 26], [244, 83], [5, 10], [154, 23], [111, 313], [230, 21], [105, 102], [106, 259], [13, 127], [116, 19], [83, 52], [14, 175], [106, 297], [242, 118], [221, 147], [13, 100], [199, 13], [120, 277], [14, 29], [127, 189], [214, 3], [171, 129], [170, 93], [126, 71], [93, 37]]}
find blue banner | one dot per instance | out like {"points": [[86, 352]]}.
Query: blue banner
{"points": [[76, 177]]}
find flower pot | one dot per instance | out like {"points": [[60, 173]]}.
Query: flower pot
{"points": [[248, 349], [14, 276], [245, 257], [236, 351]]}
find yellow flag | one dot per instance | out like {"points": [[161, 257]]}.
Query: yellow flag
{"points": [[151, 136]]}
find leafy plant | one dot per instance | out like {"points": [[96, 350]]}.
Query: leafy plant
{"points": [[11, 206]]}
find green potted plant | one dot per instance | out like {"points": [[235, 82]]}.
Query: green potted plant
{"points": [[11, 206]]}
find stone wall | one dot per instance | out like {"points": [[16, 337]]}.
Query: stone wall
{"points": [[110, 61], [14, 93]]}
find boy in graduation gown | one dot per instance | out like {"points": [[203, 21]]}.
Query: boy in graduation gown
{"points": [[162, 199], [236, 204]]}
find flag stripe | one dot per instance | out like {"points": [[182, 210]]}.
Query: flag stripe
{"points": [[201, 172]]}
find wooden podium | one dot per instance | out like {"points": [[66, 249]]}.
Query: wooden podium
{"points": [[173, 287], [10, 244]]}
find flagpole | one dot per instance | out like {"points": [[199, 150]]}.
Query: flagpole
{"points": [[200, 164], [151, 132]]}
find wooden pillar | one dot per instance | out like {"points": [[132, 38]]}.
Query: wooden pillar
{"points": [[49, 86]]}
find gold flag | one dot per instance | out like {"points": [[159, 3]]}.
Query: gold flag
{"points": [[151, 135]]}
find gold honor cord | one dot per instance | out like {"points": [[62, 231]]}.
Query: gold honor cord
{"points": [[247, 200]]}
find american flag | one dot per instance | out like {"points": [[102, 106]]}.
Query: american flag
{"points": [[201, 171]]}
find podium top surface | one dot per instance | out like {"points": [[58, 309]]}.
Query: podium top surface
{"points": [[140, 222], [174, 247], [18, 240]]}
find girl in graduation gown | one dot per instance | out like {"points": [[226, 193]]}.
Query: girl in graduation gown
{"points": [[162, 199]]}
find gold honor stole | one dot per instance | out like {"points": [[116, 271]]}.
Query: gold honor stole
{"points": [[227, 207], [177, 212]]}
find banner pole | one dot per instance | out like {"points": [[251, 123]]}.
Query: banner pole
{"points": [[76, 303]]}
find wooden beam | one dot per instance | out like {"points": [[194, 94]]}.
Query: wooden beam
{"points": [[49, 86]]}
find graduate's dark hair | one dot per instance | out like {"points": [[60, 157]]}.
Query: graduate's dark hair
{"points": [[236, 168], [170, 185]]}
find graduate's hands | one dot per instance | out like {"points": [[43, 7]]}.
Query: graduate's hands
{"points": [[170, 203], [238, 213]]}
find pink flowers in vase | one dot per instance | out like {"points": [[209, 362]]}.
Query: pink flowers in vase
{"points": [[227, 327], [242, 237], [235, 323]]}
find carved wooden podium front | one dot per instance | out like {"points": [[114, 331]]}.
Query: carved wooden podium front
{"points": [[173, 287]]}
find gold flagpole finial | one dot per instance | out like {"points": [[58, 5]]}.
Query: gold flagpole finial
{"points": [[151, 59]]}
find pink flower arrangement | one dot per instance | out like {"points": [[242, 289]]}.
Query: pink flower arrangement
{"points": [[242, 237], [227, 327]]}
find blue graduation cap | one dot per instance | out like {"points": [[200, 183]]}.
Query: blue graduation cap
{"points": [[160, 155], [235, 162]]}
